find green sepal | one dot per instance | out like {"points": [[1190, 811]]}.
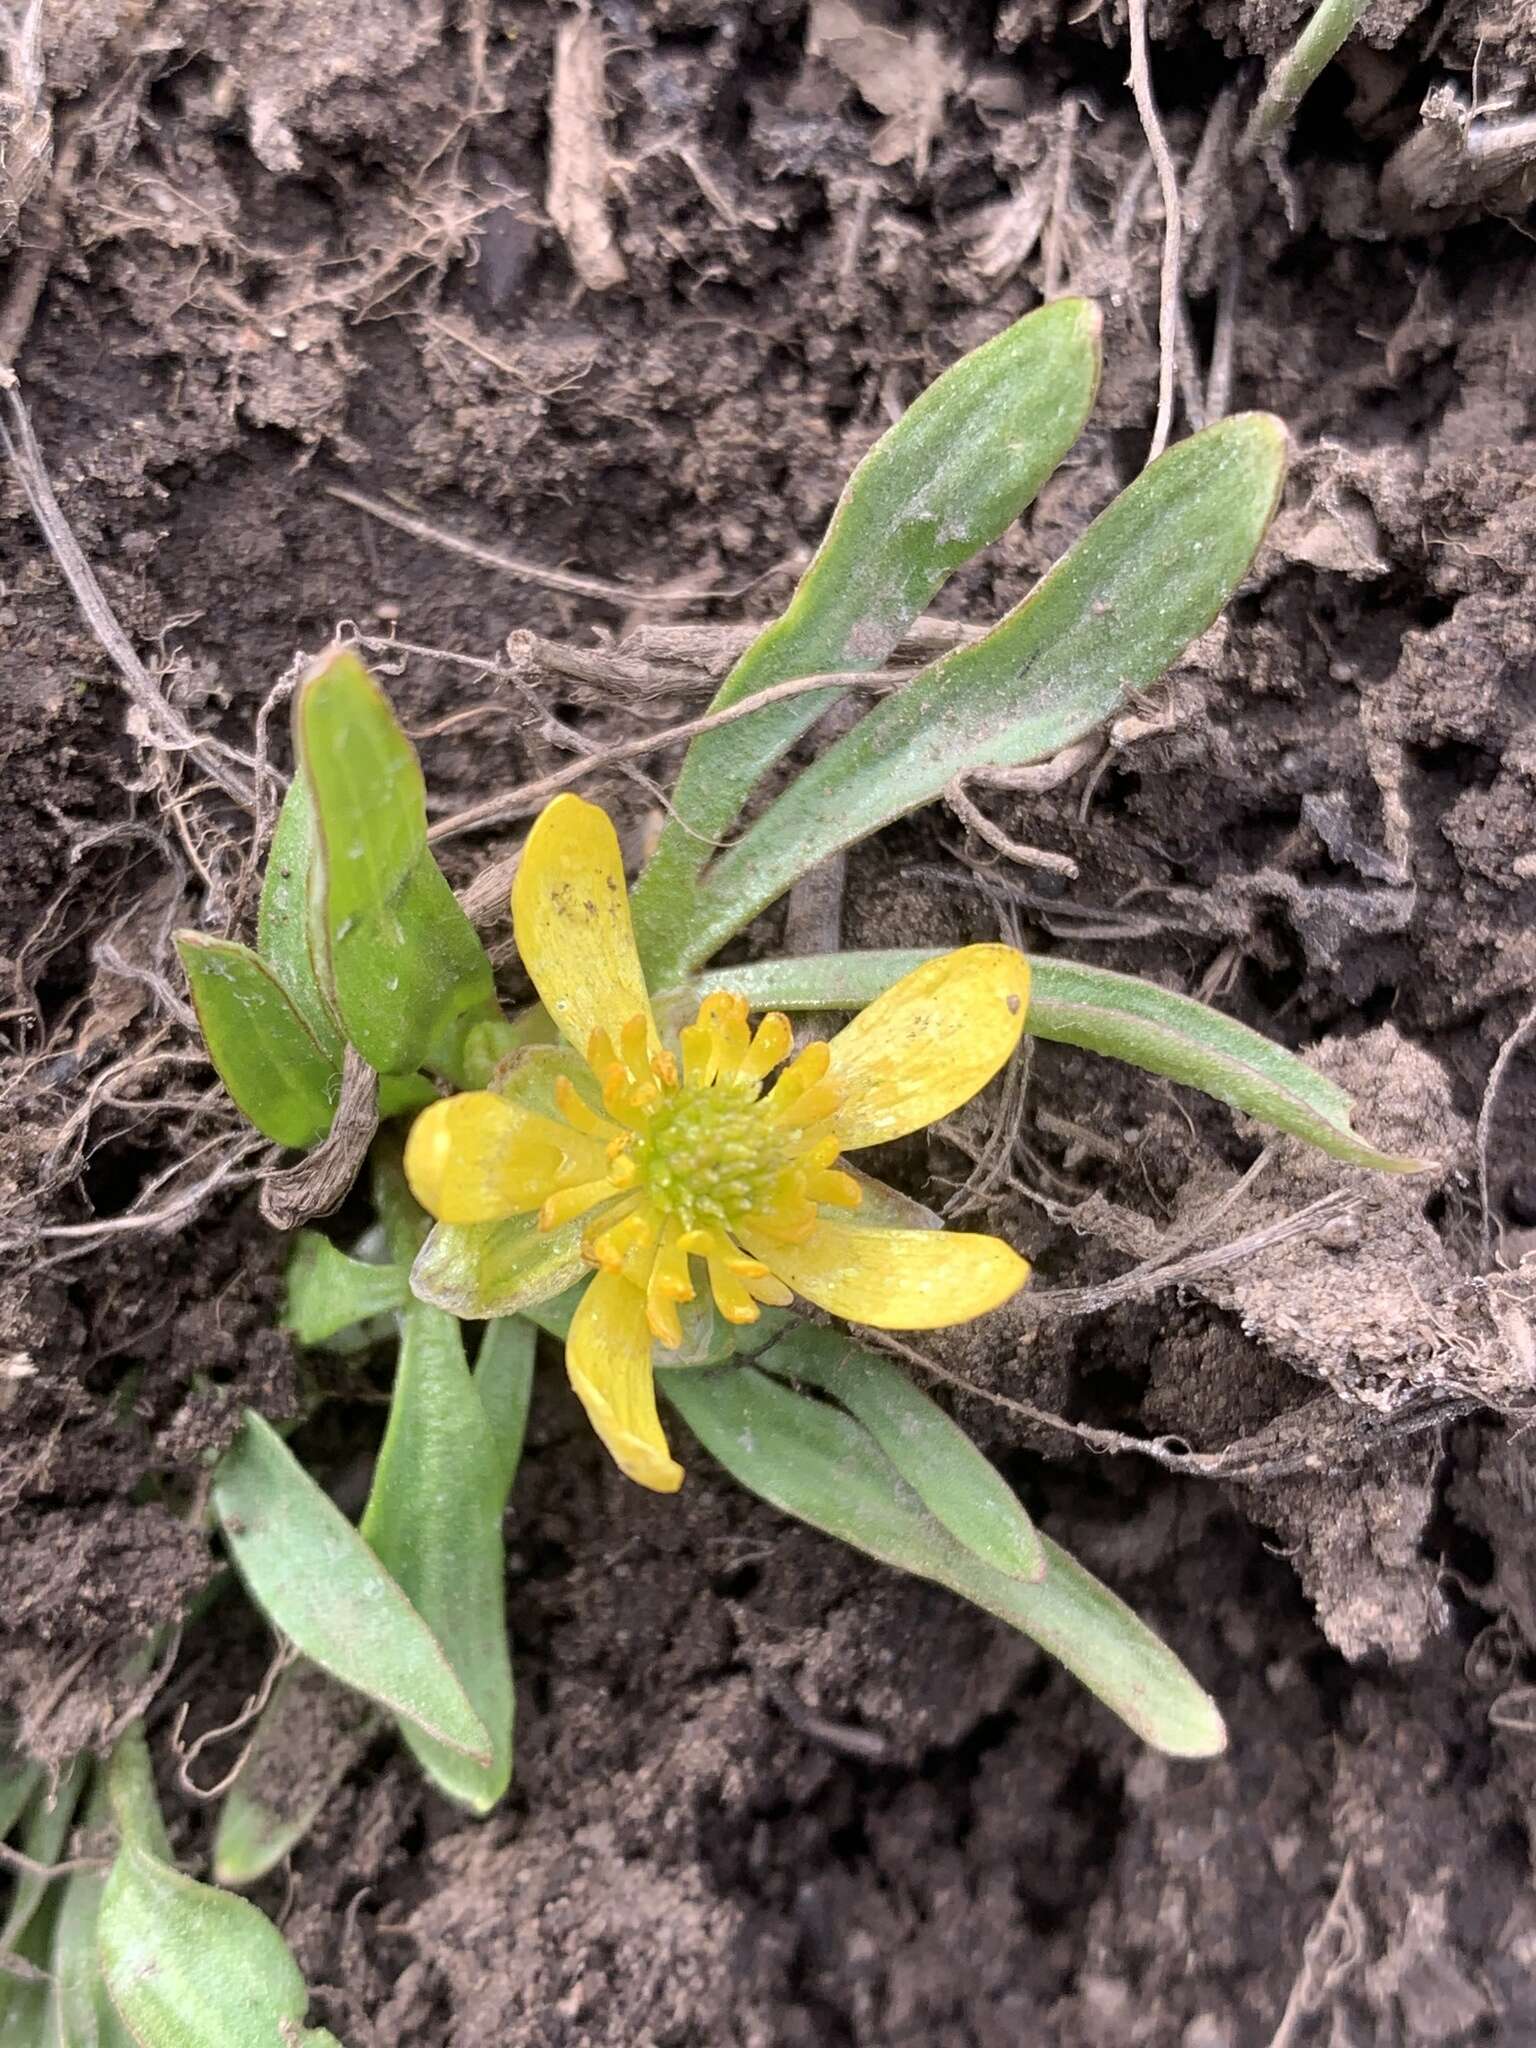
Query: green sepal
{"points": [[483, 1270], [406, 973], [1148, 576], [818, 1464], [276, 1072]]}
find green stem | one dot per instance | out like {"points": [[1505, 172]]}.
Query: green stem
{"points": [[1297, 71]]}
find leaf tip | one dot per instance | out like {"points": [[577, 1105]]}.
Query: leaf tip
{"points": [[1192, 1730], [1403, 1163]]}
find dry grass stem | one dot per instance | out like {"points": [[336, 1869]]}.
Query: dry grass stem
{"points": [[530, 796], [1516, 1039], [678, 598], [1173, 226]]}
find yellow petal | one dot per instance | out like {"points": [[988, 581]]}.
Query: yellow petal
{"points": [[476, 1158], [608, 1356], [895, 1279], [929, 1043], [570, 915]]}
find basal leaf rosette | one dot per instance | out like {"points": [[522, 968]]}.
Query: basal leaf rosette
{"points": [[717, 1161]]}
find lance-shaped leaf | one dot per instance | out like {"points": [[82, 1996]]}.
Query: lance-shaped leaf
{"points": [[434, 1520], [953, 473], [45, 1830], [26, 2001], [282, 924], [319, 1584], [266, 1055], [407, 975], [311, 1732], [1119, 1015], [188, 1966], [327, 1292], [820, 1465], [131, 1794], [504, 1381], [1146, 579], [83, 2016], [937, 1459], [19, 1779]]}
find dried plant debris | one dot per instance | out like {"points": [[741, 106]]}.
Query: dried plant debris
{"points": [[907, 77], [1462, 160], [577, 194], [1375, 1304]]}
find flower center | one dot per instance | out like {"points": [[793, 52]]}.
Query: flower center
{"points": [[700, 1156], [710, 1156]]}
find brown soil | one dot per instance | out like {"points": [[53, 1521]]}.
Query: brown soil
{"points": [[767, 1793]]}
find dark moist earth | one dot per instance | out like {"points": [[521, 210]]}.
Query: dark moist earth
{"points": [[768, 1793]]}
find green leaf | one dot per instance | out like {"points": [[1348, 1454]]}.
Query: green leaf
{"points": [[937, 1459], [317, 1581], [328, 1292], [953, 473], [26, 2004], [485, 1270], [818, 1464], [282, 923], [131, 1794], [311, 1733], [44, 1835], [504, 1382], [410, 976], [265, 1053], [434, 1521], [191, 1967], [1145, 580], [1119, 1015], [404, 1094], [82, 2015], [19, 1779]]}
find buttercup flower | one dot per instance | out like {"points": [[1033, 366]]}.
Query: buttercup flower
{"points": [[662, 1166]]}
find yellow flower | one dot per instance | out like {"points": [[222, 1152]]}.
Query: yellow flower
{"points": [[677, 1160]]}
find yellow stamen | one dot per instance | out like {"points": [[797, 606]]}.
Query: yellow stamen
{"points": [[772, 1042], [565, 1204], [611, 1247], [579, 1114]]}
